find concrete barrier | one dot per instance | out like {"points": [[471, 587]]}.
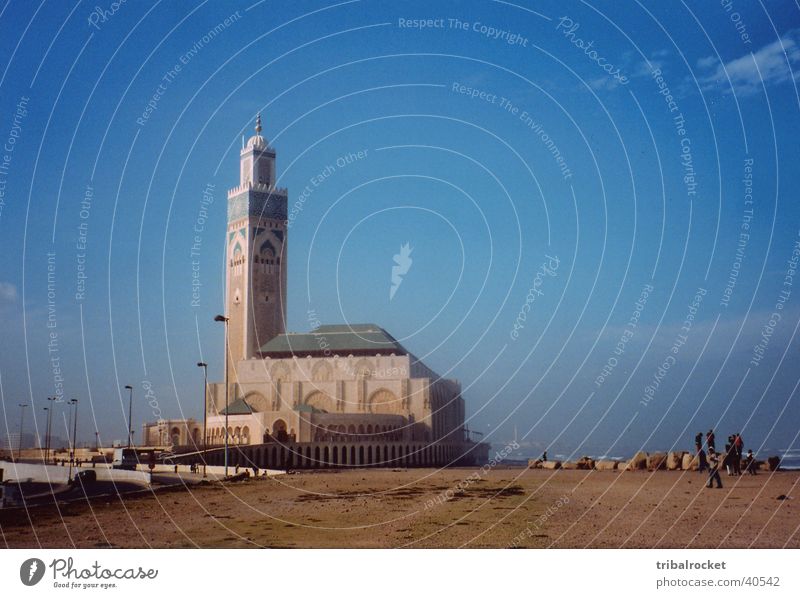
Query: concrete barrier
{"points": [[56, 474]]}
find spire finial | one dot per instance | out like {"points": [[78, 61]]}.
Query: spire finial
{"points": [[258, 124]]}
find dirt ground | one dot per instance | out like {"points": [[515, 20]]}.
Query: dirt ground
{"points": [[432, 508]]}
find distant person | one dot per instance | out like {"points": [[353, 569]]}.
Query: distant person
{"points": [[738, 447], [727, 460], [710, 441], [544, 456], [750, 463], [713, 470], [698, 443], [702, 462]]}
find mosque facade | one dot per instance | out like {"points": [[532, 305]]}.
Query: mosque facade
{"points": [[339, 395]]}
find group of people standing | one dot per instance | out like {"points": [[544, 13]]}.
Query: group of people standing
{"points": [[731, 459]]}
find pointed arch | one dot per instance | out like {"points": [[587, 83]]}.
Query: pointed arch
{"points": [[256, 400], [320, 401], [384, 400], [322, 372]]}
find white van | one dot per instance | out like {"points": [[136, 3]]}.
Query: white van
{"points": [[124, 458]]}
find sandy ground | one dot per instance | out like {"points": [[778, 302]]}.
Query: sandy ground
{"points": [[429, 508]]}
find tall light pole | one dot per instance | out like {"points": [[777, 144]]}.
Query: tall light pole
{"points": [[221, 318], [204, 365], [46, 426], [21, 427], [74, 438], [49, 427], [130, 412]]}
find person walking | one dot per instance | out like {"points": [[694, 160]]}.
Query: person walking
{"points": [[698, 443], [702, 462], [713, 471], [710, 441]]}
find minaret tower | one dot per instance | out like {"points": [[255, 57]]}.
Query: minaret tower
{"points": [[255, 291]]}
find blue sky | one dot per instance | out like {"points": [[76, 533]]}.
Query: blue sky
{"points": [[553, 158]]}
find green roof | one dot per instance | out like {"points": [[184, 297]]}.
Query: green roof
{"points": [[308, 409], [334, 339], [238, 407]]}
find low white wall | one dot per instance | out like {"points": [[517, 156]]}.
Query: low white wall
{"points": [[56, 474]]}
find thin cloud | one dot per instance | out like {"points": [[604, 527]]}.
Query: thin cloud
{"points": [[773, 64], [632, 69], [8, 293]]}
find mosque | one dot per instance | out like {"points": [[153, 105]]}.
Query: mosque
{"points": [[340, 395]]}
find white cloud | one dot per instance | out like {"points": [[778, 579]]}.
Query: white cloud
{"points": [[772, 64], [8, 293], [707, 62], [631, 68]]}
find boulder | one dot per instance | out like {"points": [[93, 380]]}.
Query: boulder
{"points": [[551, 465], [585, 463], [675, 460], [639, 461], [571, 465], [622, 465], [534, 463], [605, 465], [774, 463], [657, 461], [689, 462], [763, 466]]}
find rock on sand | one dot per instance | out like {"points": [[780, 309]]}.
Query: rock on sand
{"points": [[639, 461], [605, 465], [675, 460], [657, 461]]}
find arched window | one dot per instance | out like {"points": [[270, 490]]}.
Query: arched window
{"points": [[322, 372], [320, 401], [237, 260], [257, 401], [267, 257], [363, 370], [384, 401], [279, 430]]}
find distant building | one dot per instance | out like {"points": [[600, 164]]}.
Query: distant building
{"points": [[173, 432], [338, 395], [11, 441]]}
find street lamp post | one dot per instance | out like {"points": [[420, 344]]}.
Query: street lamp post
{"points": [[46, 426], [221, 318], [202, 364], [130, 412], [21, 427], [49, 428], [73, 402]]}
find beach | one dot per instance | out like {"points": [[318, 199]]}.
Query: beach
{"points": [[429, 508]]}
